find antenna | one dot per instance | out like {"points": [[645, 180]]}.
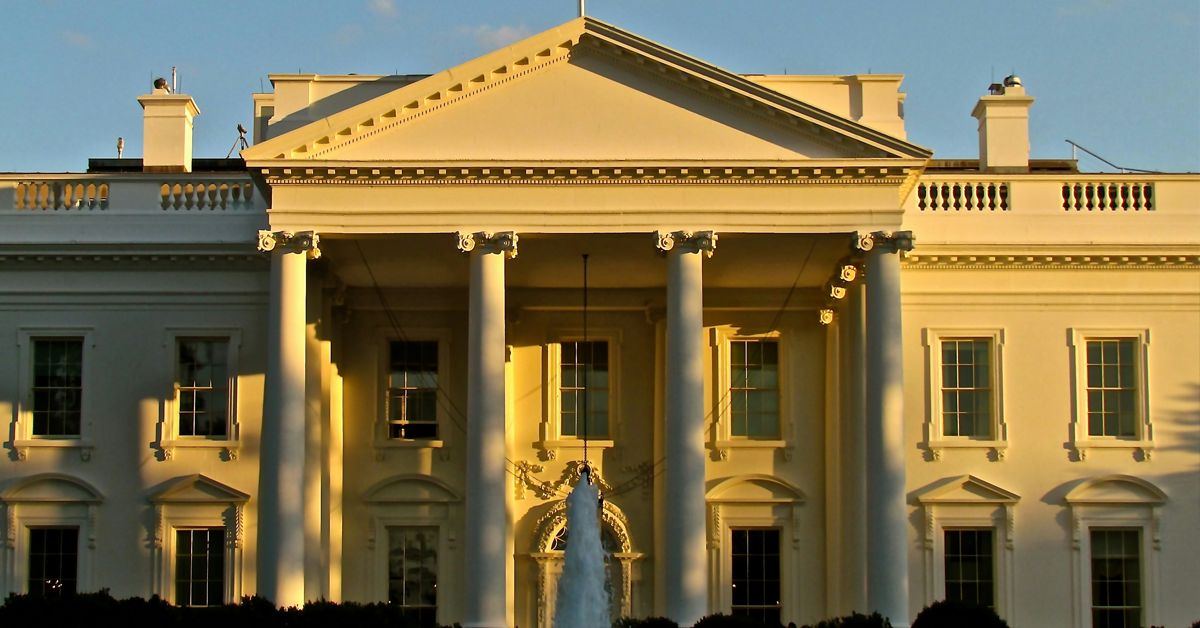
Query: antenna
{"points": [[582, 8], [120, 146], [174, 84], [1123, 170], [587, 367]]}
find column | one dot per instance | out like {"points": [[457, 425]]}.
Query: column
{"points": [[685, 552], [281, 477], [854, 454], [485, 587], [887, 521]]}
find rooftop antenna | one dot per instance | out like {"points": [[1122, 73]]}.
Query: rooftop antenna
{"points": [[240, 140], [1111, 164], [174, 78], [120, 146], [586, 368]]}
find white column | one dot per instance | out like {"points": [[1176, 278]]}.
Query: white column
{"points": [[685, 552], [485, 587], [887, 521], [854, 454], [281, 477]]}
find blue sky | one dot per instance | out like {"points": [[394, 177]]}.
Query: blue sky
{"points": [[1121, 77]]}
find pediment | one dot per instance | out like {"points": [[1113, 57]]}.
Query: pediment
{"points": [[50, 487], [197, 489], [411, 488], [967, 489], [1116, 489], [755, 488], [582, 92]]}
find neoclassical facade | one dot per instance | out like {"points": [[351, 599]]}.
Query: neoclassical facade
{"points": [[815, 369]]}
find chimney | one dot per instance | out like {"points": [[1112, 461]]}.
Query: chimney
{"points": [[1004, 127], [167, 130]]}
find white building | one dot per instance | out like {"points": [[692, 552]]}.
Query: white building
{"points": [[820, 371]]}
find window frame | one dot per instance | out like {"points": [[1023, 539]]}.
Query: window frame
{"points": [[384, 338], [180, 506], [55, 500], [1081, 441], [169, 439], [935, 440], [23, 439], [782, 559], [175, 531], [550, 436], [722, 438]]}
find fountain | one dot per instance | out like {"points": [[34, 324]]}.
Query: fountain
{"points": [[582, 599]]}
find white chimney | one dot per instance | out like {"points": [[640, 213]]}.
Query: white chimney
{"points": [[1004, 127], [167, 131]]}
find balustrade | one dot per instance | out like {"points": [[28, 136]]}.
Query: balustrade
{"points": [[962, 196], [61, 195], [1101, 196], [207, 196]]}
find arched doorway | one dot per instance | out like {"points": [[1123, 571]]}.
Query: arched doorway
{"points": [[550, 540]]}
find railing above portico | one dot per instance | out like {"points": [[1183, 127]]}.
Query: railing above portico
{"points": [[128, 193]]}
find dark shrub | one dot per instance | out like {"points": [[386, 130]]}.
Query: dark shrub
{"points": [[947, 614], [649, 622], [855, 620], [721, 620]]}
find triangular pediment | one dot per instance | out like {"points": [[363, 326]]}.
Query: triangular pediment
{"points": [[583, 92], [197, 489], [1116, 489], [967, 489]]}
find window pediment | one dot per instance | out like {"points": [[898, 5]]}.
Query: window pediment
{"points": [[51, 487], [967, 489], [1117, 490], [197, 489], [411, 488], [755, 488]]}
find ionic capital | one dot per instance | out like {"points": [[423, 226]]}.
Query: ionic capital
{"points": [[299, 242], [687, 241], [887, 242], [487, 242]]}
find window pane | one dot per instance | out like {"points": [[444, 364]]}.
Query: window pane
{"points": [[757, 577], [966, 388], [1116, 577], [200, 567], [413, 390], [57, 387], [53, 561], [969, 566], [412, 571], [584, 389], [1112, 388], [754, 388]]}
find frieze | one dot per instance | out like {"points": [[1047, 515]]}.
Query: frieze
{"points": [[1089, 262]]}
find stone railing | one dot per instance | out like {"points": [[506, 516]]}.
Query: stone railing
{"points": [[953, 195], [123, 193], [61, 195], [1108, 196]]}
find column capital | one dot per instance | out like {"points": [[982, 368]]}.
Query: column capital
{"points": [[886, 241], [299, 242], [687, 241], [488, 242]]}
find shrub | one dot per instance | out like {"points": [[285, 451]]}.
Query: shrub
{"points": [[855, 620], [649, 622], [946, 614], [720, 620]]}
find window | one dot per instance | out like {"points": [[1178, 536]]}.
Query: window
{"points": [[413, 390], [1116, 578], [200, 567], [584, 389], [53, 561], [970, 575], [757, 575], [1111, 388], [412, 572], [1111, 399], [967, 388], [57, 387], [754, 388], [202, 379], [965, 391]]}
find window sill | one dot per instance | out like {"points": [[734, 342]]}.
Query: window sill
{"points": [[227, 447], [22, 447], [997, 446], [723, 447], [1143, 446]]}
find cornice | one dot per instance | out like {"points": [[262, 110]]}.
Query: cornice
{"points": [[140, 261], [623, 175], [916, 261]]}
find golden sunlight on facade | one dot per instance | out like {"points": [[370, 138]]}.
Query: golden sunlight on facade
{"points": [[816, 370]]}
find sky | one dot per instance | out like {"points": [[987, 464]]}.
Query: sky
{"points": [[1120, 77]]}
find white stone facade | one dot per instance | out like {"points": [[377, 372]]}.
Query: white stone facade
{"points": [[716, 210]]}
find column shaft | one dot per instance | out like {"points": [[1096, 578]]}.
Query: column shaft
{"points": [[887, 522], [685, 552], [854, 454], [485, 603], [281, 543]]}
